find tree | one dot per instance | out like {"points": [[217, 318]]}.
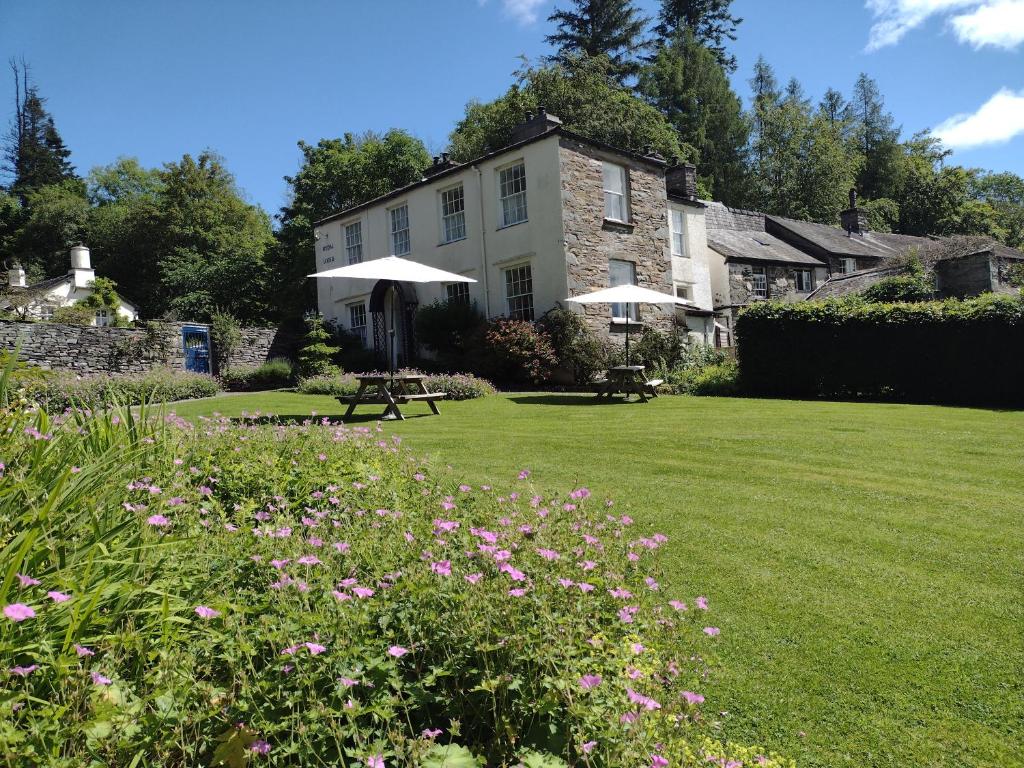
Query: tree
{"points": [[335, 174], [1004, 193], [213, 245], [686, 83], [586, 99], [611, 28], [34, 153], [56, 219], [708, 21], [877, 139]]}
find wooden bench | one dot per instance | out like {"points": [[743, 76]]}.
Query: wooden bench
{"points": [[390, 391]]}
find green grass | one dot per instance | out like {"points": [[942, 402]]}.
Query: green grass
{"points": [[864, 560]]}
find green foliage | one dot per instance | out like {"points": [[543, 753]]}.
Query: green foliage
{"points": [[938, 351], [198, 629], [225, 335], [457, 386], [900, 288], [577, 349], [273, 374], [514, 352], [59, 390], [613, 29], [74, 314], [55, 219], [316, 358], [656, 348], [581, 93], [336, 385], [708, 22], [446, 328], [883, 214]]}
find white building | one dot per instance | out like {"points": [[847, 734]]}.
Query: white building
{"points": [[45, 297], [551, 215]]}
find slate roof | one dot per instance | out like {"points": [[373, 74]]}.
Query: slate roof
{"points": [[739, 235], [852, 282], [837, 242]]}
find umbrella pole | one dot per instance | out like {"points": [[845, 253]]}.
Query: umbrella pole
{"points": [[627, 333], [391, 352]]}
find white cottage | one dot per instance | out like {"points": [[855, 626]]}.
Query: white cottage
{"points": [[45, 297]]}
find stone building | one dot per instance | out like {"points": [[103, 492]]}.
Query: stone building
{"points": [[554, 214]]}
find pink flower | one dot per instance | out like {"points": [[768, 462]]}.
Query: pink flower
{"points": [[465, 488], [523, 474], [712, 631], [517, 592], [679, 606], [644, 701], [309, 560], [315, 649], [342, 546], [81, 650], [158, 520], [473, 578], [702, 603], [548, 554], [99, 679], [58, 597], [348, 682], [340, 596], [279, 564], [584, 587], [693, 698], [27, 581], [590, 681], [442, 567], [431, 733], [657, 761], [588, 747], [375, 761], [23, 671], [18, 612], [651, 583], [637, 647], [566, 582], [580, 493], [260, 747], [626, 616], [620, 594], [206, 612], [513, 573], [397, 651], [363, 592]]}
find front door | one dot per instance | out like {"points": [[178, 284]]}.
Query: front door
{"points": [[195, 342]]}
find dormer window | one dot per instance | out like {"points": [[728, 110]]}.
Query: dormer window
{"points": [[616, 191]]}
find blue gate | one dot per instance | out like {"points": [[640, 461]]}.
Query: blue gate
{"points": [[195, 341]]}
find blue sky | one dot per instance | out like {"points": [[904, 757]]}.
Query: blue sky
{"points": [[250, 78]]}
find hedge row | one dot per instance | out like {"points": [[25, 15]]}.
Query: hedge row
{"points": [[960, 352]]}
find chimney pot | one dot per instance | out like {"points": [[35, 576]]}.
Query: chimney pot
{"points": [[444, 157], [542, 111], [16, 276], [529, 115]]}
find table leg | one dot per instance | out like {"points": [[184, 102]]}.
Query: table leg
{"points": [[355, 401], [638, 387], [431, 403], [392, 411]]}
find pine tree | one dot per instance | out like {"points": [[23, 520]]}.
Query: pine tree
{"points": [[877, 140], [612, 28], [34, 153], [709, 21]]}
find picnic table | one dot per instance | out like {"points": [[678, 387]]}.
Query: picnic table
{"points": [[391, 391], [628, 380]]}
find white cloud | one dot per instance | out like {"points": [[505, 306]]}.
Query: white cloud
{"points": [[977, 22], [999, 23], [998, 120], [523, 11]]}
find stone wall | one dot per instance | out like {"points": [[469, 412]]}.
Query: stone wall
{"points": [[966, 276], [590, 240], [88, 350], [781, 283]]}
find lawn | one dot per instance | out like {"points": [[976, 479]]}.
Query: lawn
{"points": [[864, 560]]}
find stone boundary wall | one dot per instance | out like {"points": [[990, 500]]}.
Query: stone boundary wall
{"points": [[88, 350]]}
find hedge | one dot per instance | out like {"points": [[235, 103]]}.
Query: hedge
{"points": [[958, 352]]}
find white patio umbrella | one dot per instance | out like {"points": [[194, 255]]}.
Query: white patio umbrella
{"points": [[400, 271], [629, 294]]}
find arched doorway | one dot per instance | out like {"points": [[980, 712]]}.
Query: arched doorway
{"points": [[393, 307]]}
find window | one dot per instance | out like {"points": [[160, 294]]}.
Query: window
{"points": [[804, 280], [616, 186], [354, 242], [677, 228], [512, 193], [453, 215], [400, 244], [458, 293], [848, 266], [683, 292], [357, 320], [46, 312], [759, 278], [519, 292], [102, 318], [622, 273]]}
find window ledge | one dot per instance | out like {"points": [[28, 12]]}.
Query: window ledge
{"points": [[449, 242], [617, 226], [514, 224]]}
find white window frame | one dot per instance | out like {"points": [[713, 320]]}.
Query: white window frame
{"points": [[357, 307], [616, 201], [614, 279], [353, 245], [684, 291], [453, 220], [512, 201], [102, 317], [400, 238], [804, 285], [677, 236], [518, 280], [758, 274], [848, 264], [457, 293], [46, 311]]}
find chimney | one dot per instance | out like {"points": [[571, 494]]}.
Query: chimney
{"points": [[681, 179], [534, 125], [854, 219], [16, 276], [442, 163], [81, 267]]}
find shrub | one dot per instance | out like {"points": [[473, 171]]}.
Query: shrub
{"points": [[720, 380], [64, 390], [899, 288], [653, 347], [576, 347], [514, 352], [226, 335], [335, 385], [937, 351], [273, 374], [316, 358], [74, 314], [459, 386], [203, 597], [446, 327]]}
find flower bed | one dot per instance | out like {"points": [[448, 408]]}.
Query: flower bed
{"points": [[241, 594], [61, 390]]}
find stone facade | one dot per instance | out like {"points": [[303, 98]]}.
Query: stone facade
{"points": [[591, 240], [781, 283], [90, 350]]}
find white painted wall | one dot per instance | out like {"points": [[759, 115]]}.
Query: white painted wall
{"points": [[537, 241], [69, 292]]}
